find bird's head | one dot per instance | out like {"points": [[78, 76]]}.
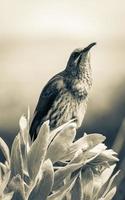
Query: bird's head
{"points": [[79, 60]]}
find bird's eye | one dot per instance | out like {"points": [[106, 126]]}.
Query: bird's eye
{"points": [[75, 54]]}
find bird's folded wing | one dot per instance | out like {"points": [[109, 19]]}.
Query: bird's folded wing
{"points": [[46, 99]]}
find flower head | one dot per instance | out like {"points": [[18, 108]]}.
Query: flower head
{"points": [[56, 165]]}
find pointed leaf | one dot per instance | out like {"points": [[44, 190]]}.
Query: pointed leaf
{"points": [[85, 143], [98, 148], [37, 152], [24, 132], [16, 158], [60, 144], [8, 196], [5, 150], [109, 155], [0, 175], [104, 178], [44, 186], [24, 141], [28, 127], [28, 115], [84, 157], [54, 132], [77, 190], [111, 183], [106, 174], [4, 168], [17, 185], [110, 194], [62, 173], [97, 184], [62, 191], [4, 182], [87, 183], [89, 141], [102, 158], [24, 155], [23, 123]]}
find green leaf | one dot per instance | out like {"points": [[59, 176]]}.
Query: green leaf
{"points": [[37, 152], [87, 183], [17, 185], [44, 186], [5, 150], [69, 124], [97, 184], [84, 157], [105, 177], [89, 141], [62, 173], [76, 191], [110, 194], [24, 141], [28, 115], [106, 174], [104, 157], [4, 168], [61, 144], [4, 182], [111, 183], [60, 194], [109, 155], [16, 158], [23, 123], [8, 196], [85, 143], [24, 133], [24, 155]]}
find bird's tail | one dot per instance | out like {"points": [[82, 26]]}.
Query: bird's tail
{"points": [[35, 126]]}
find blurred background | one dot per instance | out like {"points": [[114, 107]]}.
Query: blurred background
{"points": [[36, 39]]}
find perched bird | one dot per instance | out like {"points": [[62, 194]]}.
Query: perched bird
{"points": [[65, 95]]}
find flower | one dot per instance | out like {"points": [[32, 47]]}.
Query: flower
{"points": [[56, 165]]}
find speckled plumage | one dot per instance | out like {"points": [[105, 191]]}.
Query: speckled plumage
{"points": [[65, 95]]}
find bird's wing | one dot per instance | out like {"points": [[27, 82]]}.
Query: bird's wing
{"points": [[46, 99]]}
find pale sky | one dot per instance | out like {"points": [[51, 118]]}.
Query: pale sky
{"points": [[36, 38], [73, 18]]}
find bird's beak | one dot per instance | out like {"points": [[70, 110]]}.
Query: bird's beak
{"points": [[86, 49], [84, 54]]}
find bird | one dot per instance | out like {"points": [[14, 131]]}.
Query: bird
{"points": [[65, 96]]}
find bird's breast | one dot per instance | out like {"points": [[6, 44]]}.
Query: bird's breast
{"points": [[79, 89], [65, 108]]}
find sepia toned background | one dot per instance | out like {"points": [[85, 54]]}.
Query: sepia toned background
{"points": [[36, 39]]}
